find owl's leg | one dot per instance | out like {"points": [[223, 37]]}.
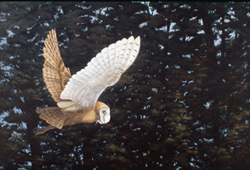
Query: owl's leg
{"points": [[39, 131]]}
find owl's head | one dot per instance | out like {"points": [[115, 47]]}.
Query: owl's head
{"points": [[104, 114]]}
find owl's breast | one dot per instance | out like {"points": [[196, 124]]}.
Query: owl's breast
{"points": [[81, 116]]}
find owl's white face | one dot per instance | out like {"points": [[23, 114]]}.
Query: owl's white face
{"points": [[104, 115]]}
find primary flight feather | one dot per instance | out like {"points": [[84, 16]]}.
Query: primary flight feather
{"points": [[77, 95]]}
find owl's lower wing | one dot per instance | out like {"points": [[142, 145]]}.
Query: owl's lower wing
{"points": [[55, 74], [53, 116], [102, 71]]}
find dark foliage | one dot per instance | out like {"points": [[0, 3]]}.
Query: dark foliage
{"points": [[183, 104]]}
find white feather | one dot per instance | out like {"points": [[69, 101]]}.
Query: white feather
{"points": [[65, 104], [102, 71]]}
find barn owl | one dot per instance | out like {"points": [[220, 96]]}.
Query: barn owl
{"points": [[77, 95]]}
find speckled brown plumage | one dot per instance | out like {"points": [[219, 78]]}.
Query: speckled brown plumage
{"points": [[55, 74], [53, 116]]}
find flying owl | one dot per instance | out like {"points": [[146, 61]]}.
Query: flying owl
{"points": [[77, 95]]}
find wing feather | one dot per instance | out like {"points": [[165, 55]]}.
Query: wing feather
{"points": [[102, 71], [55, 74], [53, 116]]}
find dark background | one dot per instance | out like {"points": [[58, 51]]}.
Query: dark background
{"points": [[183, 104]]}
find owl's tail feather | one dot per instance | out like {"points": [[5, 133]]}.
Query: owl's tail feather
{"points": [[39, 131], [53, 116]]}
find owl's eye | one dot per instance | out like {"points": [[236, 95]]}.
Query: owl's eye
{"points": [[104, 112]]}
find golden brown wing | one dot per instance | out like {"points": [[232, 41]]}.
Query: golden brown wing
{"points": [[52, 115], [55, 74]]}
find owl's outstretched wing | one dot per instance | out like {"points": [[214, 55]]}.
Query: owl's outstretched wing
{"points": [[102, 71], [55, 74]]}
